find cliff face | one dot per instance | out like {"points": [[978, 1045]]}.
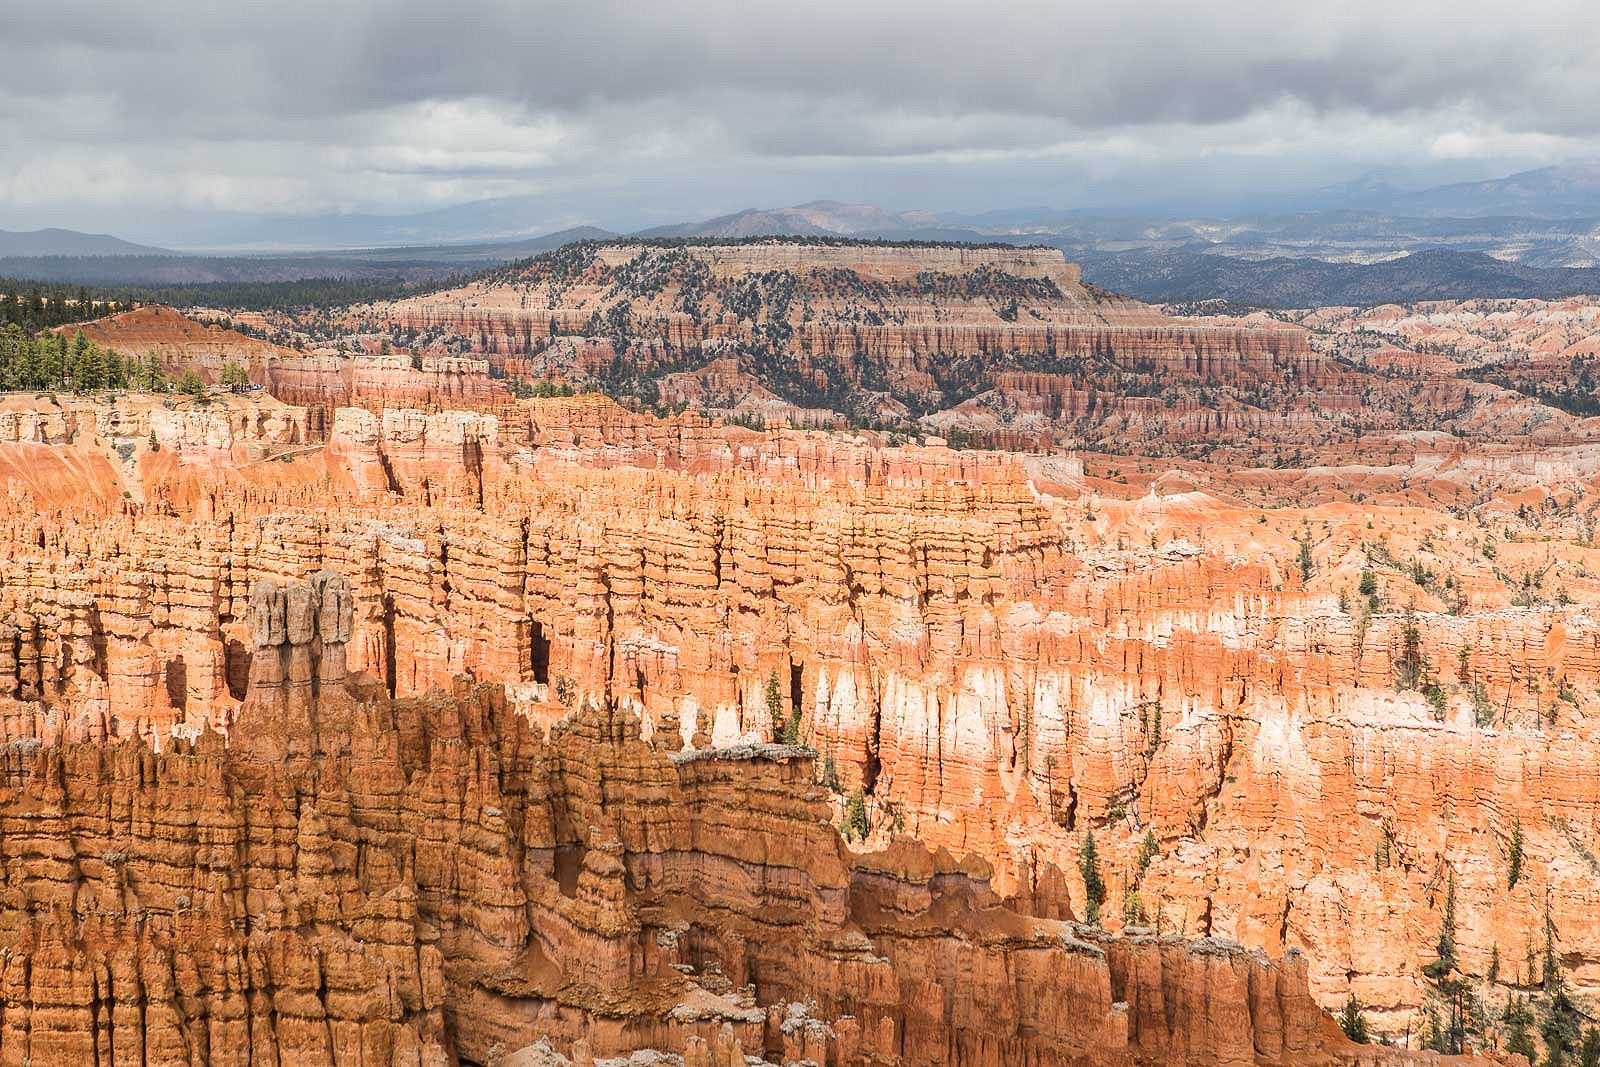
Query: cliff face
{"points": [[817, 331], [1003, 657], [352, 879], [1002, 347], [320, 382]]}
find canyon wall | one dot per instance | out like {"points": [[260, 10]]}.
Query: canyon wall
{"points": [[809, 332], [354, 879], [997, 669], [1001, 347], [320, 381]]}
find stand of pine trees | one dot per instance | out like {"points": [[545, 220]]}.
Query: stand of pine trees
{"points": [[53, 362], [35, 307]]}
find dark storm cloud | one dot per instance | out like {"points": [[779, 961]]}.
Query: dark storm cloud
{"points": [[408, 102]]}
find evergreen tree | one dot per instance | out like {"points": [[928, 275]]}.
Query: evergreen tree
{"points": [[12, 343], [775, 707], [856, 824], [1094, 886], [1447, 926], [51, 365], [1514, 864], [1519, 1038], [1447, 1035], [1353, 1022], [1560, 1026], [1410, 666], [1589, 1052], [1149, 849], [29, 372], [88, 369]]}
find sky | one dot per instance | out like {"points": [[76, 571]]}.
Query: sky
{"points": [[151, 119]]}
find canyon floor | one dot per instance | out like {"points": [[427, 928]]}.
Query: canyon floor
{"points": [[919, 657]]}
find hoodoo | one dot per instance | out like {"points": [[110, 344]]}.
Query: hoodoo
{"points": [[553, 729]]}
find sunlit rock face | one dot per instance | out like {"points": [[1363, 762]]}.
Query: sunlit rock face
{"points": [[469, 707], [351, 879]]}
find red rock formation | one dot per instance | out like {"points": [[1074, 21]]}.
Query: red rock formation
{"points": [[810, 333], [999, 669], [354, 880], [320, 382]]}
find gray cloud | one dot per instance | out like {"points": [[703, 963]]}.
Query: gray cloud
{"points": [[615, 108]]}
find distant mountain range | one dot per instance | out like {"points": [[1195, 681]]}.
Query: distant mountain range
{"points": [[1534, 233], [70, 243], [1551, 192], [820, 218], [1435, 274]]}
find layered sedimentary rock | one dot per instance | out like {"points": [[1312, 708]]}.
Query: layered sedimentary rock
{"points": [[1312, 658], [998, 346], [320, 381], [355, 880], [997, 669], [808, 333]]}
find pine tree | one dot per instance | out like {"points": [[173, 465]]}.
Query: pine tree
{"points": [[1447, 926], [51, 364], [856, 824], [1353, 1022], [12, 344], [1149, 849], [1560, 1026], [775, 707], [1447, 1036], [1589, 1052], [1519, 1039], [29, 372], [234, 376], [1410, 667], [1514, 868], [1094, 886], [88, 370]]}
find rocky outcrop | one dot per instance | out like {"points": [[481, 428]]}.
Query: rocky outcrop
{"points": [[350, 879], [430, 383], [299, 633], [319, 382], [1002, 657], [813, 332]]}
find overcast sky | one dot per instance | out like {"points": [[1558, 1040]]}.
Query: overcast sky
{"points": [[125, 116]]}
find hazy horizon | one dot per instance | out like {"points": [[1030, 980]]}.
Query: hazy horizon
{"points": [[178, 120]]}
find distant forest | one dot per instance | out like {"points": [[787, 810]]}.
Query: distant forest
{"points": [[1430, 274], [51, 361], [32, 306], [36, 305]]}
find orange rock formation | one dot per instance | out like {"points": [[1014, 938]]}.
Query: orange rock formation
{"points": [[319, 381], [999, 670], [393, 720], [353, 879]]}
